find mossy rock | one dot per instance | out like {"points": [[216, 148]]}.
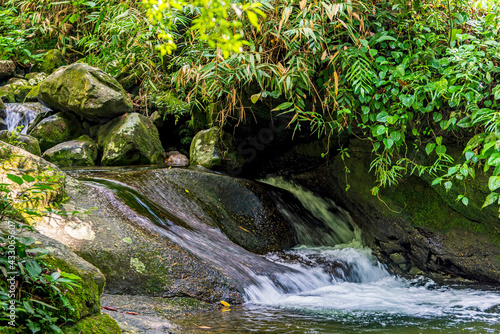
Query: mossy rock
{"points": [[79, 152], [97, 324], [2, 108], [56, 129], [213, 149], [52, 60], [86, 91], [131, 139], [26, 142], [7, 68], [32, 96], [35, 79], [20, 162], [3, 125]]}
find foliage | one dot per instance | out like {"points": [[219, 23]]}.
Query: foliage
{"points": [[407, 78], [37, 289], [216, 23]]}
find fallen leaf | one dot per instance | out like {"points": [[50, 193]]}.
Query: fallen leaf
{"points": [[132, 313], [109, 308], [225, 303]]}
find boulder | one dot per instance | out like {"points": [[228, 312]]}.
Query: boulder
{"points": [[26, 142], [15, 92], [56, 129], [86, 91], [130, 139], [177, 160], [3, 125], [79, 152], [7, 69], [214, 149], [52, 60]]}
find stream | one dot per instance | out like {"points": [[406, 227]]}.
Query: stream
{"points": [[328, 283]]}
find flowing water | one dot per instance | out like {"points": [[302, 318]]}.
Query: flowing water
{"points": [[20, 115], [329, 283]]}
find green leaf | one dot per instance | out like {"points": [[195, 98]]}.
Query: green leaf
{"points": [[365, 109], [453, 170], [441, 149], [447, 185], [33, 268], [15, 178], [494, 159], [28, 178], [429, 148], [494, 183], [284, 105], [253, 18], [437, 181], [469, 155], [465, 201], [255, 97], [382, 117], [392, 119], [490, 199], [388, 142]]}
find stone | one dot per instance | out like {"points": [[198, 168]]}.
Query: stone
{"points": [[177, 160], [35, 78], [52, 60], [3, 125], [56, 129], [213, 149], [7, 68], [78, 152], [397, 258], [86, 91], [15, 92], [130, 139], [26, 142], [157, 119]]}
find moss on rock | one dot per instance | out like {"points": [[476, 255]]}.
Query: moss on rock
{"points": [[79, 152], [52, 60], [56, 129], [86, 91], [98, 324], [26, 142], [131, 139]]}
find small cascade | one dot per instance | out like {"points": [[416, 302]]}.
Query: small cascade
{"points": [[22, 114], [319, 222]]}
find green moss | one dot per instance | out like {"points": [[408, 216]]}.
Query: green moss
{"points": [[52, 60], [85, 299], [99, 324], [56, 129], [32, 95]]}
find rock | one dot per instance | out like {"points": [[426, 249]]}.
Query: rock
{"points": [[214, 149], [130, 139], [97, 324], [7, 69], [86, 91], [20, 162], [52, 60], [177, 160], [85, 299], [397, 258], [56, 129], [32, 96], [3, 125], [79, 152], [25, 142], [157, 119], [35, 78], [15, 92]]}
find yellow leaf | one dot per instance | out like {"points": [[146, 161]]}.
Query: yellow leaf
{"points": [[244, 229], [186, 191], [303, 4], [226, 309], [225, 303], [336, 78]]}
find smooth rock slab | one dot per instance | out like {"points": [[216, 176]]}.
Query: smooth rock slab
{"points": [[79, 152], [131, 139], [86, 91]]}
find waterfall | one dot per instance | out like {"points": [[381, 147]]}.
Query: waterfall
{"points": [[22, 114]]}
